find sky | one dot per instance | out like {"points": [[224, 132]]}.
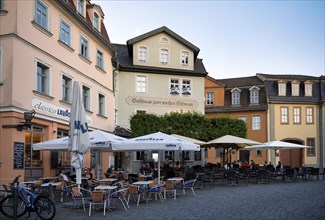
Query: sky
{"points": [[236, 38]]}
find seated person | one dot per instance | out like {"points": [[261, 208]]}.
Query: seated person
{"points": [[88, 173], [143, 169], [148, 170], [63, 177], [109, 171]]}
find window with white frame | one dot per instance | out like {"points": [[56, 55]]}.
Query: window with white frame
{"points": [[295, 88], [65, 32], [96, 21], [256, 122], [100, 59], [141, 83], [81, 7], [186, 87], [41, 17], [254, 95], [142, 56], [141, 111], [101, 104], [284, 115], [66, 88], [308, 89], [310, 143], [209, 98], [84, 47], [309, 115], [281, 88], [174, 86], [86, 97], [243, 118], [185, 57], [296, 115], [164, 56], [235, 97], [43, 78]]}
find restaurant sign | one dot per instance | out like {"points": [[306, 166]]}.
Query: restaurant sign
{"points": [[161, 102], [48, 108]]}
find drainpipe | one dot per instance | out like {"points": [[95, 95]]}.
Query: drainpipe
{"points": [[321, 127]]}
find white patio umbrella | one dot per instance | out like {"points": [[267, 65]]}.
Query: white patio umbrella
{"points": [[192, 140], [157, 141], [79, 136], [98, 140], [275, 145]]}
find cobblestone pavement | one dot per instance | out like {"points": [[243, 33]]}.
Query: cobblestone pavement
{"points": [[290, 200]]}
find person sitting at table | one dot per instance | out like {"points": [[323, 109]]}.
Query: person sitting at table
{"points": [[88, 173], [143, 169], [148, 170], [63, 177], [109, 172], [177, 165], [253, 165], [245, 164], [279, 167]]}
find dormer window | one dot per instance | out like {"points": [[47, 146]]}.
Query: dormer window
{"points": [[254, 95], [96, 21], [142, 56], [235, 96], [308, 88], [81, 7], [295, 88], [282, 88], [164, 56], [184, 58]]}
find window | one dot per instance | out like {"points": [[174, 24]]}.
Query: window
{"points": [[209, 98], [235, 97], [65, 33], [309, 115], [184, 57], [2, 4], [41, 14], [63, 156], [174, 86], [256, 122], [296, 115], [96, 21], [284, 115], [142, 56], [81, 7], [100, 60], [84, 47], [308, 89], [141, 111], [243, 118], [282, 89], [254, 95], [43, 78], [258, 153], [295, 89], [86, 97], [164, 56], [186, 87], [141, 84], [101, 104], [311, 143], [33, 158], [66, 88]]}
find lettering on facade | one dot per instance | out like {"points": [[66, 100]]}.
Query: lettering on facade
{"points": [[160, 102], [54, 110]]}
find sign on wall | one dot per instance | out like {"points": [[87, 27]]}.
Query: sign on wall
{"points": [[19, 155], [162, 102]]}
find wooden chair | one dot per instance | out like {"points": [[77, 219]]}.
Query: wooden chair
{"points": [[135, 192], [98, 198], [156, 189], [169, 188], [80, 194], [189, 184], [121, 195]]}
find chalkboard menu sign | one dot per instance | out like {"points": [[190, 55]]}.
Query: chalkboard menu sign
{"points": [[18, 155], [197, 155]]}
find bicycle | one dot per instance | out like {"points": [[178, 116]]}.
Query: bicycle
{"points": [[27, 201]]}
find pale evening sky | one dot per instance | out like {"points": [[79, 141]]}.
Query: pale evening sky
{"points": [[236, 38]]}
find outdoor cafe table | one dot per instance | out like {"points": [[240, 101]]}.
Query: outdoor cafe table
{"points": [[49, 179], [108, 189], [177, 180], [110, 180], [50, 186], [144, 185]]}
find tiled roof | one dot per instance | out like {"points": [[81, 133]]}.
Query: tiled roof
{"points": [[288, 77], [125, 63], [242, 82]]}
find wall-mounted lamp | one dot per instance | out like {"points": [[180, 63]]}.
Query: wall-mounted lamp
{"points": [[28, 116]]}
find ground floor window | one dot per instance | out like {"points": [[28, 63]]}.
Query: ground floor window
{"points": [[33, 158]]}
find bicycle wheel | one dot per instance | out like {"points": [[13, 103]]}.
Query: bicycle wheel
{"points": [[7, 206], [45, 208]]}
